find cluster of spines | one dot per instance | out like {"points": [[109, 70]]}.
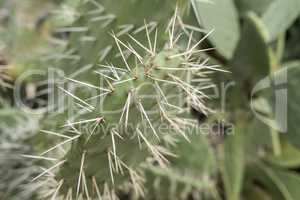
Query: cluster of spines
{"points": [[185, 62], [94, 14]]}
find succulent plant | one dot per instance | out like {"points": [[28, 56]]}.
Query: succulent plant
{"points": [[125, 119], [131, 77], [17, 130], [192, 173]]}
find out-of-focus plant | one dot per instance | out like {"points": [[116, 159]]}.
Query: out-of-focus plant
{"points": [[255, 40], [17, 129]]}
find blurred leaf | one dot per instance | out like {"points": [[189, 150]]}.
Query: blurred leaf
{"points": [[262, 105], [257, 174], [288, 99], [27, 38], [258, 6], [252, 59], [289, 183], [254, 192], [286, 182], [222, 16], [257, 147], [292, 50], [233, 164], [280, 47], [289, 158], [290, 64], [280, 16]]}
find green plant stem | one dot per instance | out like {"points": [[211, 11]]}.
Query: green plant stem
{"points": [[274, 134], [276, 142]]}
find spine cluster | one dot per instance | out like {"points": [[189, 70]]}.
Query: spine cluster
{"points": [[119, 131]]}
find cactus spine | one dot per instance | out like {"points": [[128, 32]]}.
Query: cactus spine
{"points": [[119, 130]]}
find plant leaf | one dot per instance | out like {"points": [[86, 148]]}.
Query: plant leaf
{"points": [[233, 164], [289, 158], [280, 16], [288, 98], [258, 6], [252, 58], [222, 16], [254, 192], [286, 182], [292, 50]]}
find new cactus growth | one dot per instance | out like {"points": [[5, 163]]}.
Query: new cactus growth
{"points": [[121, 128]]}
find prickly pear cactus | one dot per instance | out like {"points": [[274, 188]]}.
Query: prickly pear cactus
{"points": [[129, 113], [90, 42], [192, 173]]}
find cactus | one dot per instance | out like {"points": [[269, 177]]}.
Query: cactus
{"points": [[191, 173], [126, 128], [90, 42], [119, 129], [17, 129]]}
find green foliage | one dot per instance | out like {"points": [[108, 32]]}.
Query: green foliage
{"points": [[27, 39], [222, 17], [258, 6], [291, 74], [280, 15], [233, 163], [252, 56], [292, 49], [179, 181], [16, 129], [278, 180], [289, 157]]}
